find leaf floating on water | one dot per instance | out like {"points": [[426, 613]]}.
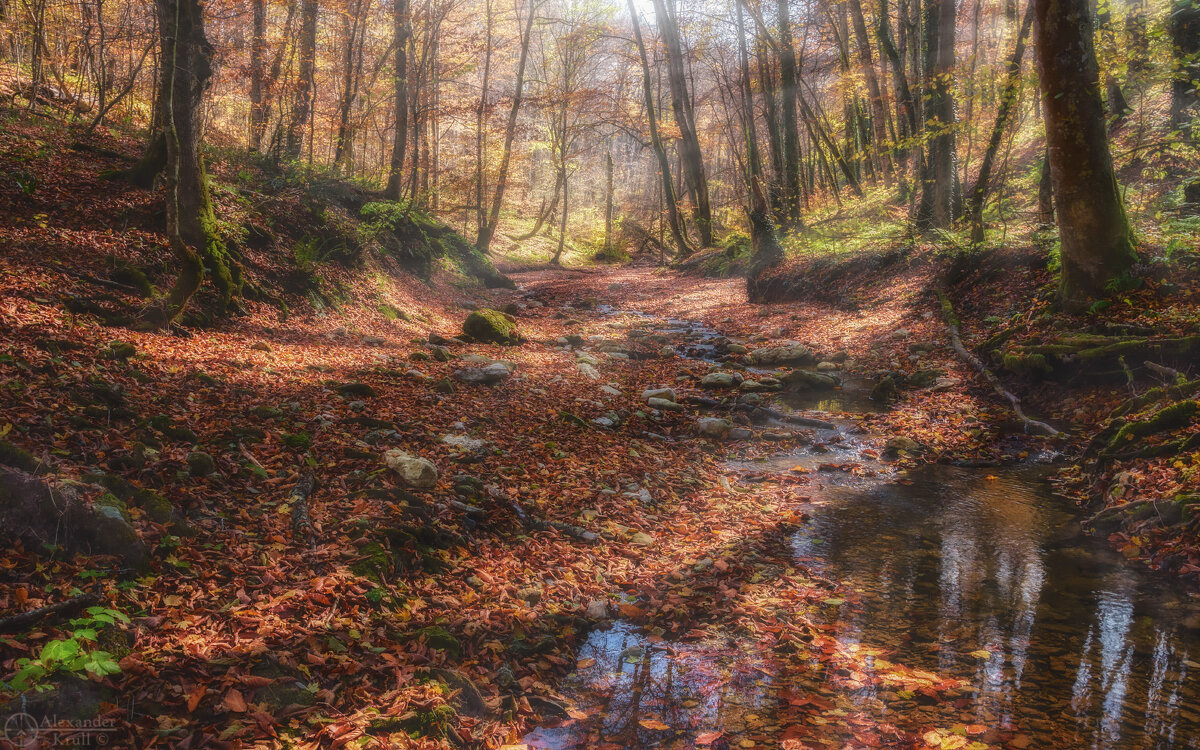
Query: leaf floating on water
{"points": [[585, 663], [633, 654], [982, 654], [707, 738], [654, 724]]}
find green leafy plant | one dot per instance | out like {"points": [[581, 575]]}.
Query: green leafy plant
{"points": [[74, 654]]}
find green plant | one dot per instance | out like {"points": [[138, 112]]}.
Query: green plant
{"points": [[73, 654]]}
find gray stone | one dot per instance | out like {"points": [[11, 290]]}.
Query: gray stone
{"points": [[740, 433], [719, 380], [493, 373], [667, 394], [588, 370], [413, 470], [714, 426], [663, 404], [793, 353]]}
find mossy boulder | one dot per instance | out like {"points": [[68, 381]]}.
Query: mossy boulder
{"points": [[12, 455], [491, 327], [157, 508], [120, 350], [441, 639], [200, 464]]}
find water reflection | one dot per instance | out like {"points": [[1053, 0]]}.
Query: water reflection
{"points": [[978, 576]]}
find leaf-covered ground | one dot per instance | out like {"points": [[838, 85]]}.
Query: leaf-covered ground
{"points": [[372, 613]]}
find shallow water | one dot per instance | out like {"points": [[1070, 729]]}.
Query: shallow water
{"points": [[976, 574], [1084, 651]]}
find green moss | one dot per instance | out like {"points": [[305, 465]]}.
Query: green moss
{"points": [[1168, 418], [491, 326], [158, 508], [375, 563], [200, 464], [11, 455], [297, 440], [109, 500], [132, 276], [120, 350], [1026, 363], [440, 639], [392, 313], [267, 412]]}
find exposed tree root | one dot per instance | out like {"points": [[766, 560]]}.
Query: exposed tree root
{"points": [[1031, 425]]}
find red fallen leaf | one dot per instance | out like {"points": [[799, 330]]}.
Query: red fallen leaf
{"points": [[235, 702], [974, 729], [194, 697], [630, 610], [707, 738], [255, 681]]}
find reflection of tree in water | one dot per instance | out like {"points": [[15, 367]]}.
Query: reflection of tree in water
{"points": [[956, 563], [685, 686]]}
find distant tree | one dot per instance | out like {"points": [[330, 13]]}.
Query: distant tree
{"points": [[401, 30], [1094, 234], [302, 107]]}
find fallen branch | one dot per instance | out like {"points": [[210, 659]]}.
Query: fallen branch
{"points": [[1031, 425], [26, 620], [1174, 375], [538, 524], [301, 520]]}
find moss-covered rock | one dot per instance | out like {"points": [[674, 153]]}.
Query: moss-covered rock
{"points": [[374, 563], [491, 327], [109, 500], [440, 639], [200, 464], [355, 389], [17, 457], [120, 350], [267, 412], [157, 508]]}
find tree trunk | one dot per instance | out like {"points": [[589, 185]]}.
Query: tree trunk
{"points": [[1008, 98], [344, 136], [788, 95], [484, 240], [1045, 193], [1095, 238], [763, 237], [664, 166], [608, 202], [940, 199], [689, 143], [1185, 39], [878, 105], [302, 107], [258, 45], [187, 68], [480, 119], [400, 31]]}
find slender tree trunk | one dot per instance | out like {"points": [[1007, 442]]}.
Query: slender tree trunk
{"points": [[480, 117], [302, 108], [788, 94], [906, 107], [1094, 234], [1045, 192], [608, 202], [874, 91], [488, 230], [774, 134], [1008, 98], [689, 142], [258, 47], [664, 166], [355, 22], [400, 32]]}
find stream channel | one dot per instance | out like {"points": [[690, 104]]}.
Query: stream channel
{"points": [[977, 574]]}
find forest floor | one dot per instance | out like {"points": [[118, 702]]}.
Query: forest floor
{"points": [[372, 607]]}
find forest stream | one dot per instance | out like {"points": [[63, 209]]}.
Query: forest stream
{"points": [[979, 574]]}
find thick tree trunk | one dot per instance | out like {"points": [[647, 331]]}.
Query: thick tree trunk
{"points": [[767, 250], [1185, 38], [1008, 98], [1045, 193], [488, 230], [400, 32], [940, 197], [187, 68], [302, 107], [664, 166], [774, 133], [689, 142], [1095, 238]]}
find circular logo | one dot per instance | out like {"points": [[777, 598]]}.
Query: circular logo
{"points": [[20, 728]]}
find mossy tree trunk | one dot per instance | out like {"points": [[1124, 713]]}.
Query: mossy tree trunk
{"points": [[941, 198], [1094, 233], [1185, 39], [187, 68]]}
